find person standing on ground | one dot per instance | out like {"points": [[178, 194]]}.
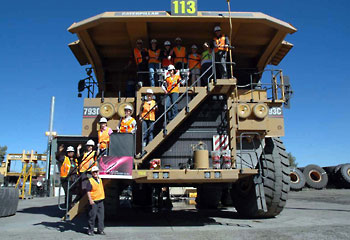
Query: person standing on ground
{"points": [[172, 90], [153, 62], [148, 116], [103, 135], [221, 45], [68, 170], [95, 192], [180, 60], [127, 124], [194, 64]]}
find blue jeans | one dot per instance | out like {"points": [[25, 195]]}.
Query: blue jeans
{"points": [[152, 69], [170, 99], [147, 137]]}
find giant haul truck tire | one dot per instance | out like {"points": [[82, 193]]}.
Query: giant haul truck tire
{"points": [[8, 201], [276, 181], [315, 176], [342, 173], [141, 195], [111, 202], [297, 179]]}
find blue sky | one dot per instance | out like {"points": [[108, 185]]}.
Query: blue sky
{"points": [[36, 63]]}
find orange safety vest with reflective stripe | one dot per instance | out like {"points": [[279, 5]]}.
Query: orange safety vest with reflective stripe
{"points": [[180, 54], [97, 192], [138, 55], [66, 166], [194, 61], [88, 162], [126, 126], [173, 83], [220, 42], [153, 56], [146, 107], [103, 138]]}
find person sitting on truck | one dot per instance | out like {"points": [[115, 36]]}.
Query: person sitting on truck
{"points": [[194, 64], [148, 116], [221, 45], [180, 60], [171, 88], [153, 62], [127, 124], [166, 55], [68, 170], [95, 192], [205, 64], [103, 135]]}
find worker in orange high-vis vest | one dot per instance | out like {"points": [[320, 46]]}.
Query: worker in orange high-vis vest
{"points": [[68, 170], [166, 56], [171, 88], [103, 135], [96, 194], [140, 55], [221, 45], [180, 55], [194, 64], [89, 157], [148, 116], [127, 124], [153, 62]]}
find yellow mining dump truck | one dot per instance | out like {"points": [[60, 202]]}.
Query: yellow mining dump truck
{"points": [[225, 137]]}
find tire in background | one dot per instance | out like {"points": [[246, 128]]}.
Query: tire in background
{"points": [[297, 179], [275, 167], [342, 173], [315, 176], [8, 201]]}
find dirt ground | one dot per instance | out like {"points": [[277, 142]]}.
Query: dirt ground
{"points": [[309, 214]]}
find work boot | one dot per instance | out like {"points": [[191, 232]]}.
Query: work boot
{"points": [[90, 233], [101, 232]]}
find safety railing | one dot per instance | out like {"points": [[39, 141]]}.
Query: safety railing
{"points": [[185, 74]]}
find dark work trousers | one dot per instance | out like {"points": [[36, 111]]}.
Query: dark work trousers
{"points": [[96, 210], [170, 99], [64, 182], [204, 79], [143, 77], [147, 136], [221, 69]]}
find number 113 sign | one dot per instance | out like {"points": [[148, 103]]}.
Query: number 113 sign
{"points": [[184, 7]]}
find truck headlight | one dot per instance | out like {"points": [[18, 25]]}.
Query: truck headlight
{"points": [[243, 110], [260, 110]]}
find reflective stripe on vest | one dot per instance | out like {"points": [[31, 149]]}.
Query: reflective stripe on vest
{"points": [[126, 126], [172, 83], [220, 43], [66, 166], [194, 61], [97, 192], [103, 138], [180, 55], [88, 161], [153, 56], [146, 107], [137, 56]]}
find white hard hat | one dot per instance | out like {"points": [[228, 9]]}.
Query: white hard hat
{"points": [[149, 91], [70, 149], [171, 67], [103, 120], [178, 39], [167, 43], [90, 143], [94, 169], [139, 41], [128, 107], [194, 46], [154, 41], [217, 28]]}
